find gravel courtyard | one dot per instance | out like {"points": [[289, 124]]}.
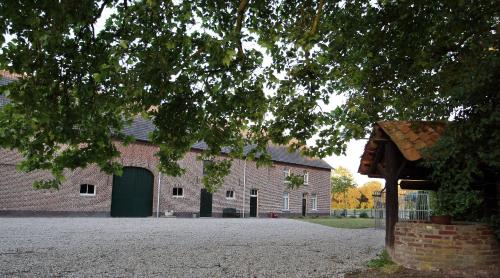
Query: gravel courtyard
{"points": [[149, 247]]}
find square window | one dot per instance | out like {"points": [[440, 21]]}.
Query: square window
{"points": [[230, 194], [178, 192], [87, 189]]}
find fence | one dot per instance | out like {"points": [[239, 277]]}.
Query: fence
{"points": [[352, 212], [412, 206]]}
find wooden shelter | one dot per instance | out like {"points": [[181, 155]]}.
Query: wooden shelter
{"points": [[393, 153]]}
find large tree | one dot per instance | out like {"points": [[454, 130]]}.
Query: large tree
{"points": [[205, 68], [341, 182]]}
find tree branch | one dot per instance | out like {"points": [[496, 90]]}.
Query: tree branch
{"points": [[315, 23], [239, 22]]}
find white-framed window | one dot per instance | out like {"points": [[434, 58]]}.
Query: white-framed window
{"points": [[253, 192], [286, 174], [230, 194], [178, 192], [87, 189], [314, 201], [286, 201], [306, 177]]}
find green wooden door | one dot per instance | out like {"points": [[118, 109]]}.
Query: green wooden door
{"points": [[205, 203], [132, 194]]}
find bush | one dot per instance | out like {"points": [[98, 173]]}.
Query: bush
{"points": [[363, 215], [353, 216]]}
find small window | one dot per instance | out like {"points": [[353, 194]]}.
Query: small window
{"points": [[314, 201], [178, 192], [87, 190], [230, 194], [286, 201], [253, 192], [286, 174], [306, 177]]}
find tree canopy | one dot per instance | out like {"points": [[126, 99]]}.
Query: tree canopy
{"points": [[206, 70]]}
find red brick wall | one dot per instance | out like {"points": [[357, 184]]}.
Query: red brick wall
{"points": [[426, 246], [17, 194]]}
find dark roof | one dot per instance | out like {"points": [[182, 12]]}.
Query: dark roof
{"points": [[410, 137], [141, 128], [279, 154]]}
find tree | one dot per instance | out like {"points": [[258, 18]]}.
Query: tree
{"points": [[357, 197], [200, 64], [342, 181], [367, 190]]}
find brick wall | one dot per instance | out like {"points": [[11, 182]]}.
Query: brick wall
{"points": [[426, 246], [18, 197]]}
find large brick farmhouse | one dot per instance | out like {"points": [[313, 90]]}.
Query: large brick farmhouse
{"points": [[141, 191]]}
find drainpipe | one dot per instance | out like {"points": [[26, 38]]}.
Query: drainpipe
{"points": [[158, 199], [244, 186]]}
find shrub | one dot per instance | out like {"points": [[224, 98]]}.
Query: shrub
{"points": [[383, 259], [363, 215]]}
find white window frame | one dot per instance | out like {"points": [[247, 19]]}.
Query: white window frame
{"points": [[286, 205], [286, 174], [234, 194], [88, 194], [314, 201], [306, 178], [254, 192], [178, 196]]}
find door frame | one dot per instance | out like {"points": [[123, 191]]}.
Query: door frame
{"points": [[211, 202], [113, 190], [256, 195], [304, 204]]}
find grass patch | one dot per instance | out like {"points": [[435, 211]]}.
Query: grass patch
{"points": [[383, 263], [346, 223]]}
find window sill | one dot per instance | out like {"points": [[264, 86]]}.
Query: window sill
{"points": [[87, 195], [178, 197], [285, 210], [230, 198]]}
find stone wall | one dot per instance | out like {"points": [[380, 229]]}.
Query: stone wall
{"points": [[425, 246]]}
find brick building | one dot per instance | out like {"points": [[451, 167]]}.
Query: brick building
{"points": [[141, 191]]}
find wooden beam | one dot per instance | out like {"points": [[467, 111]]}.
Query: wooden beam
{"points": [[394, 164], [418, 185]]}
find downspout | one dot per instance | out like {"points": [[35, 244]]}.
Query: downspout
{"points": [[158, 199], [244, 186]]}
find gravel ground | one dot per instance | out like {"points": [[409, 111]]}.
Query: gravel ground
{"points": [[149, 247]]}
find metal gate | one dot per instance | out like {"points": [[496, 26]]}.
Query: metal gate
{"points": [[412, 206]]}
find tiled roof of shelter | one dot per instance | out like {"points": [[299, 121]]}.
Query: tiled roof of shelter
{"points": [[410, 137]]}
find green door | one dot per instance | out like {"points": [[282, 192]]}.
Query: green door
{"points": [[205, 203], [132, 194]]}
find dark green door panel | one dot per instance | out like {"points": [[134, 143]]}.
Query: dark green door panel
{"points": [[205, 203], [253, 206], [132, 194]]}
